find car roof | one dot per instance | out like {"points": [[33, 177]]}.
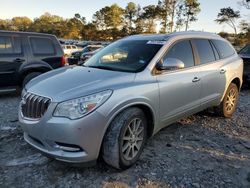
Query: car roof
{"points": [[26, 33], [174, 34]]}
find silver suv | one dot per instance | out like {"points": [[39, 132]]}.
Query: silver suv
{"points": [[126, 93]]}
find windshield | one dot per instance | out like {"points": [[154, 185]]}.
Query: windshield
{"points": [[245, 50], [85, 49], [125, 55]]}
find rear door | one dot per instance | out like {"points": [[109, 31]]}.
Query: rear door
{"points": [[44, 49], [211, 72], [179, 89], [11, 58]]}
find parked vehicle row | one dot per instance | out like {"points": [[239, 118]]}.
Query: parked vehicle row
{"points": [[69, 49], [126, 93], [24, 56], [81, 54], [87, 55]]}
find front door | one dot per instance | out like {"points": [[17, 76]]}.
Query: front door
{"points": [[11, 57], [179, 90]]}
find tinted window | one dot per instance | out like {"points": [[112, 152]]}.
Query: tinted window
{"points": [[225, 50], [205, 50], [42, 46], [17, 45], [182, 51], [6, 45]]}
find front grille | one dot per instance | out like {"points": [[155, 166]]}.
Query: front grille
{"points": [[34, 106]]}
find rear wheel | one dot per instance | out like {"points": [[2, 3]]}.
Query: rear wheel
{"points": [[29, 77], [229, 103], [125, 139]]}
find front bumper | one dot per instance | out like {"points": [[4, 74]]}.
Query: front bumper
{"points": [[51, 134]]}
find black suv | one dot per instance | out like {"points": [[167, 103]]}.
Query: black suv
{"points": [[24, 56]]}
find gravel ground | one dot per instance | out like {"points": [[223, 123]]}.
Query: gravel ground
{"points": [[200, 151]]}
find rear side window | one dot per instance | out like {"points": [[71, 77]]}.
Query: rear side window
{"points": [[205, 50], [216, 54], [17, 45], [224, 49], [42, 46], [182, 51]]}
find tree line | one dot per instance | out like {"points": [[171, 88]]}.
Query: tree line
{"points": [[112, 22]]}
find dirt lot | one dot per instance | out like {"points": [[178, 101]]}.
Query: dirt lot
{"points": [[201, 151]]}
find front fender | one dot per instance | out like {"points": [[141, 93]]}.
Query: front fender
{"points": [[111, 109]]}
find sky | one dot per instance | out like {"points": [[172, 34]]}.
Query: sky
{"points": [[68, 8]]}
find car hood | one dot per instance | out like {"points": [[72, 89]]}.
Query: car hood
{"points": [[76, 81]]}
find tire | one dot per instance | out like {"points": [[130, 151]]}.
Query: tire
{"points": [[118, 137], [228, 105], [29, 77]]}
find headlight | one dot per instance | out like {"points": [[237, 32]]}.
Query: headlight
{"points": [[77, 108]]}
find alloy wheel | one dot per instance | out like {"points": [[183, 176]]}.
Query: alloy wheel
{"points": [[132, 139], [231, 100]]}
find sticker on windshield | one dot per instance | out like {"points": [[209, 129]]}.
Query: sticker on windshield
{"points": [[157, 42]]}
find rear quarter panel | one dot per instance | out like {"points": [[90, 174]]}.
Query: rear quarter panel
{"points": [[234, 69]]}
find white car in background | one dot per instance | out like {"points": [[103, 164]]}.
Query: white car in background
{"points": [[69, 49]]}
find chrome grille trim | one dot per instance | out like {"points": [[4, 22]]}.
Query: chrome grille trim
{"points": [[34, 106]]}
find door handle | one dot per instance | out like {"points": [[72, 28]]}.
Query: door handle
{"points": [[18, 60], [196, 79], [223, 71]]}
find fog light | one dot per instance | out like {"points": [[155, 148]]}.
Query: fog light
{"points": [[68, 147]]}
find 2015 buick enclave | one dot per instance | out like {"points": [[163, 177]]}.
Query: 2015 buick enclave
{"points": [[126, 93]]}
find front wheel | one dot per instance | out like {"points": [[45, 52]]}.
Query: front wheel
{"points": [[229, 103], [125, 139]]}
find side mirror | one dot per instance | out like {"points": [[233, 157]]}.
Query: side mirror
{"points": [[170, 64]]}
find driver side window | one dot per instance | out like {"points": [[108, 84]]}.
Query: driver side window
{"points": [[182, 51]]}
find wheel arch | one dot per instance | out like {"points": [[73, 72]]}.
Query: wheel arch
{"points": [[146, 108], [148, 111], [235, 80], [32, 67]]}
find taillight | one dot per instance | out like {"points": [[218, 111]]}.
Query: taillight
{"points": [[63, 61]]}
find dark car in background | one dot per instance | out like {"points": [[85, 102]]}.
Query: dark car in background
{"points": [[245, 55], [76, 56], [85, 56], [23, 56]]}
